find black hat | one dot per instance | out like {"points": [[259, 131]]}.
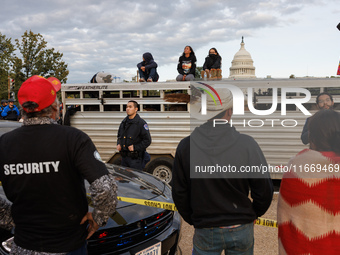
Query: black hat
{"points": [[10, 100], [4, 101]]}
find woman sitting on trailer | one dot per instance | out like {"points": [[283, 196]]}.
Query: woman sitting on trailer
{"points": [[212, 65], [186, 65]]}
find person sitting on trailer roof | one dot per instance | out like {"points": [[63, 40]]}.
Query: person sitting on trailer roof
{"points": [[187, 65], [148, 69], [212, 65]]}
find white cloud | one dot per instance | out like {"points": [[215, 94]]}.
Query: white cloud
{"points": [[111, 36]]}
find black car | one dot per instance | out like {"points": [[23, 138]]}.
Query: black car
{"points": [[132, 228], [6, 126]]}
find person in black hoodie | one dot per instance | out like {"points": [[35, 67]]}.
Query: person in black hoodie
{"points": [[217, 202], [147, 69], [212, 65], [186, 65]]}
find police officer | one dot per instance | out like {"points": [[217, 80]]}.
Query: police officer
{"points": [[133, 137], [11, 111], [4, 103]]}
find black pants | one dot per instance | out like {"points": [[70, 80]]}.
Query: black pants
{"points": [[133, 163]]}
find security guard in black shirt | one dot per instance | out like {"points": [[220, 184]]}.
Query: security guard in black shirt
{"points": [[133, 137]]}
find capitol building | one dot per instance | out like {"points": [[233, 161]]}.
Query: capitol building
{"points": [[242, 65]]}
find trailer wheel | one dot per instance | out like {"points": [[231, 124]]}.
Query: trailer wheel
{"points": [[162, 168]]}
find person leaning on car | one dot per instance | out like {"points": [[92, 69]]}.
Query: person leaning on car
{"points": [[42, 169], [133, 137]]}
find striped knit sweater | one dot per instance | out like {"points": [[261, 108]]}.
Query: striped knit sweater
{"points": [[309, 205]]}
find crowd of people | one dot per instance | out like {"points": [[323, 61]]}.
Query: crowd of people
{"points": [[8, 110], [222, 209]]}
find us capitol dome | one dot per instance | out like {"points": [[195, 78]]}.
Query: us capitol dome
{"points": [[242, 65]]}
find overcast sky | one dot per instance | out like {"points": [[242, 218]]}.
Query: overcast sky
{"points": [[284, 37]]}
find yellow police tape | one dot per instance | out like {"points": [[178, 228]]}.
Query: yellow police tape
{"points": [[151, 203], [266, 222], [172, 207]]}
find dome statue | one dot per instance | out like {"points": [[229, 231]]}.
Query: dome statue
{"points": [[242, 65]]}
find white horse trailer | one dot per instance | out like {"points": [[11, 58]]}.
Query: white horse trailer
{"points": [[99, 108]]}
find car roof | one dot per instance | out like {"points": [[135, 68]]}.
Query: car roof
{"points": [[6, 126]]}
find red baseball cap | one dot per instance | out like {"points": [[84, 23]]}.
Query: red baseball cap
{"points": [[39, 90], [55, 83]]}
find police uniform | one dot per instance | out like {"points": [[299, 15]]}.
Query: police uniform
{"points": [[2, 107], [133, 132], [9, 113], [46, 184]]}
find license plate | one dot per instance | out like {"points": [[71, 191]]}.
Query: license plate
{"points": [[151, 250]]}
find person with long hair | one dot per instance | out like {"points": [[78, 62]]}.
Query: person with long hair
{"points": [[309, 200], [186, 65], [212, 65]]}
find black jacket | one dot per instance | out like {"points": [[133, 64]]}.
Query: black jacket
{"points": [[148, 62], [223, 201], [9, 113], [134, 132], [212, 62], [42, 169], [186, 65], [304, 134]]}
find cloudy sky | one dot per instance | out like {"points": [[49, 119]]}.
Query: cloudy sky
{"points": [[284, 37]]}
